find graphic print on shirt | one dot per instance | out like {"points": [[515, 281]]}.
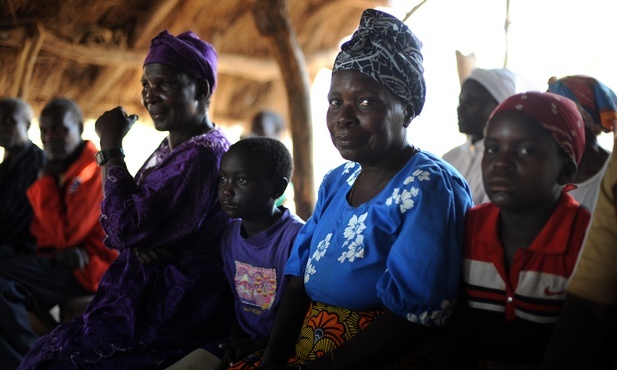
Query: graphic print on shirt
{"points": [[255, 286], [75, 185]]}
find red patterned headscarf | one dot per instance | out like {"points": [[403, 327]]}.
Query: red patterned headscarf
{"points": [[556, 113], [185, 52]]}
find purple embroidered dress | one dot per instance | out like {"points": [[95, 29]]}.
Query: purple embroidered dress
{"points": [[149, 317]]}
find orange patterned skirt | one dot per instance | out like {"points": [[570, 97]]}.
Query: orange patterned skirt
{"points": [[327, 327]]}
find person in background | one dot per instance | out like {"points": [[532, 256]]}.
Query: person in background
{"points": [[166, 293], [522, 246], [256, 245], [480, 94], [18, 170], [586, 335], [597, 103], [70, 258], [372, 277], [268, 123]]}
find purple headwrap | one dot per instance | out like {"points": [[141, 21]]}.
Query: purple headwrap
{"points": [[386, 50], [557, 114], [187, 53]]}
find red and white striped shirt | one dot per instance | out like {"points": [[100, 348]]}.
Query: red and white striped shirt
{"points": [[515, 310]]}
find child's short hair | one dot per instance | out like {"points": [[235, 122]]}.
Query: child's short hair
{"points": [[277, 160]]}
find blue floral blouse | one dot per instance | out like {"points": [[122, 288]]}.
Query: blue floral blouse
{"points": [[401, 250]]}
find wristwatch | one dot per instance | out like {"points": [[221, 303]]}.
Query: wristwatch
{"points": [[104, 155]]}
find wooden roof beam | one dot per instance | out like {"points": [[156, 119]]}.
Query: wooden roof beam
{"points": [[237, 65], [25, 62], [91, 55], [37, 40], [20, 67], [272, 19]]}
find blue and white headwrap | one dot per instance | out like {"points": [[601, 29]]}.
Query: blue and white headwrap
{"points": [[386, 50]]}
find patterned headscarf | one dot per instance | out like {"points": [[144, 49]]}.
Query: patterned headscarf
{"points": [[555, 113], [386, 50], [596, 101], [186, 52], [501, 83]]}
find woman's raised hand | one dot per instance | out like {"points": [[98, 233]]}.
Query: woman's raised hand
{"points": [[112, 126]]}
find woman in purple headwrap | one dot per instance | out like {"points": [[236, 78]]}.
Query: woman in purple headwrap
{"points": [[166, 293], [374, 273]]}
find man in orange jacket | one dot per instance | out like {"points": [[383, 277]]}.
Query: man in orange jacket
{"points": [[71, 257]]}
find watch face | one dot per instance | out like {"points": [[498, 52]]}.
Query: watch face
{"points": [[104, 155], [99, 157]]}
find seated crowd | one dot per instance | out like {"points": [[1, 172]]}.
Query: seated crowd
{"points": [[497, 256]]}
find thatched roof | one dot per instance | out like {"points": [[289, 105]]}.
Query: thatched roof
{"points": [[92, 50]]}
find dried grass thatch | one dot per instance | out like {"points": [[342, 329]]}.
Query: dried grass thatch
{"points": [[91, 51]]}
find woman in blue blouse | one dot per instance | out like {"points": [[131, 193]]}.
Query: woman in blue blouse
{"points": [[375, 271]]}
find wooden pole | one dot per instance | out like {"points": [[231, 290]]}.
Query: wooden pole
{"points": [[272, 19], [506, 28], [413, 10], [37, 42]]}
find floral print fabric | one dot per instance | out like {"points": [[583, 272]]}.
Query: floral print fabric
{"points": [[401, 250], [327, 327]]}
